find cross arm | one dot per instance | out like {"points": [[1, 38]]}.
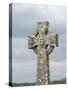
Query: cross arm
{"points": [[52, 39], [52, 42], [32, 40]]}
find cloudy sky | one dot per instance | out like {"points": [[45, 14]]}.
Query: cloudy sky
{"points": [[24, 22]]}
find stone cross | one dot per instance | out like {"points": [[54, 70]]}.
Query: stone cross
{"points": [[42, 42]]}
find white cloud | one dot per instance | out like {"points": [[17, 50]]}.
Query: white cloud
{"points": [[58, 13]]}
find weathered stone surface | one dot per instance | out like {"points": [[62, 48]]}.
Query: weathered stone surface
{"points": [[42, 42]]}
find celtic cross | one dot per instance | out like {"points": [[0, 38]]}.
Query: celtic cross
{"points": [[42, 42]]}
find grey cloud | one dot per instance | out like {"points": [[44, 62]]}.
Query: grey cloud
{"points": [[24, 72], [25, 59], [57, 69], [29, 12], [25, 18]]}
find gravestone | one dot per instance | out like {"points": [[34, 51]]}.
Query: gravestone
{"points": [[42, 42]]}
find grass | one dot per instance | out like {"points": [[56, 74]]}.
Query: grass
{"points": [[63, 81]]}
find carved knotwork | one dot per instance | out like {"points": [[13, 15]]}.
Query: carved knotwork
{"points": [[42, 37]]}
